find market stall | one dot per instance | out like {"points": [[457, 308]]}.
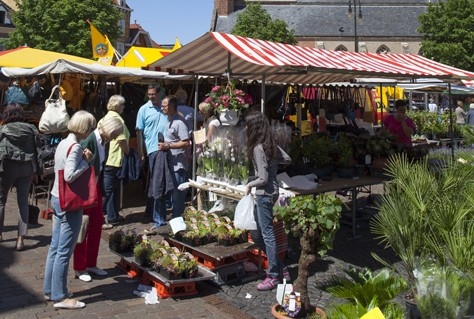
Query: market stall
{"points": [[26, 57]]}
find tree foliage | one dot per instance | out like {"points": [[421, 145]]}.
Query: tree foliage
{"points": [[61, 26], [256, 23], [448, 29]]}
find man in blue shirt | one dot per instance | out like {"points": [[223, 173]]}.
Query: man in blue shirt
{"points": [[150, 121]]}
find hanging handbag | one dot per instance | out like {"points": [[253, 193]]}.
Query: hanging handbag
{"points": [[80, 193], [55, 117]]}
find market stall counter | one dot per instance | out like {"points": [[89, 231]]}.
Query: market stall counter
{"points": [[334, 184]]}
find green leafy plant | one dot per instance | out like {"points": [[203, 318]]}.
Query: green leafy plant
{"points": [[364, 290], [143, 253], [426, 212], [443, 291], [315, 220], [317, 149]]}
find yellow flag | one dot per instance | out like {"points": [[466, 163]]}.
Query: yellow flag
{"points": [[108, 57], [177, 44], [102, 49]]}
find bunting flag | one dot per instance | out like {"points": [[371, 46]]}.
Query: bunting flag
{"points": [[177, 44], [102, 49]]}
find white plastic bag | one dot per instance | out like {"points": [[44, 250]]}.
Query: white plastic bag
{"points": [[55, 117], [244, 218]]}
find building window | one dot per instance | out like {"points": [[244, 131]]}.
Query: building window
{"points": [[2, 17], [341, 47], [383, 49], [121, 25]]}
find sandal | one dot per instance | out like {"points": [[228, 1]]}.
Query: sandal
{"points": [[69, 304]]}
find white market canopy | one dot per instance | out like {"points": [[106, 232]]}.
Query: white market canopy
{"points": [[65, 66], [216, 54]]}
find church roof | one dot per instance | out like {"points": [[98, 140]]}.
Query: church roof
{"points": [[307, 18]]}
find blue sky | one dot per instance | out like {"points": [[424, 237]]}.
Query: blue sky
{"points": [[167, 19]]}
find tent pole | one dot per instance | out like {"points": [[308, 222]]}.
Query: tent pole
{"points": [[451, 129], [262, 93], [196, 93]]}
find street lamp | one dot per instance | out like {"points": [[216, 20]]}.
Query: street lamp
{"points": [[349, 13]]}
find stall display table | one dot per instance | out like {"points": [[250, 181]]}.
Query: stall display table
{"points": [[353, 184], [165, 287], [336, 183]]}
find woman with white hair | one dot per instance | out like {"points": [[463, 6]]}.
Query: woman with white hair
{"points": [[117, 149], [74, 160], [86, 253]]}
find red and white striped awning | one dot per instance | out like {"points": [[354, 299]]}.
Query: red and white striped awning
{"points": [[217, 53]]}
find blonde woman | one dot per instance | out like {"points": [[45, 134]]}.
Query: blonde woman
{"points": [[116, 151]]}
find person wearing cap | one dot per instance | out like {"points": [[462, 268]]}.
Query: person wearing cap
{"points": [[399, 124], [470, 115]]}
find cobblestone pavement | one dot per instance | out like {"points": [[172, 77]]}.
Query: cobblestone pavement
{"points": [[21, 274]]}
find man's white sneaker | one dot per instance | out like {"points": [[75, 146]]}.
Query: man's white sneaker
{"points": [[84, 276], [97, 271]]}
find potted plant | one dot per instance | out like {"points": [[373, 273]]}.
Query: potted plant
{"points": [[143, 253], [228, 101], [119, 241], [344, 157], [426, 213], [363, 290], [315, 220], [316, 150]]}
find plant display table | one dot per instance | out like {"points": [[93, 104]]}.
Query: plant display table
{"points": [[164, 286], [336, 183]]}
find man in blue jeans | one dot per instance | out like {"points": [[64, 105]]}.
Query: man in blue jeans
{"points": [[150, 122]]}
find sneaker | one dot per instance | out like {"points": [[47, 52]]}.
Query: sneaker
{"points": [[97, 271], [107, 226], [268, 283], [286, 274], [69, 304], [84, 276]]}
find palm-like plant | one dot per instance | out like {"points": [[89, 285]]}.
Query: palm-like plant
{"points": [[365, 290], [427, 213]]}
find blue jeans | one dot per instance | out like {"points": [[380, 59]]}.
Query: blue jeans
{"points": [[65, 231], [179, 197], [264, 236], [111, 193]]}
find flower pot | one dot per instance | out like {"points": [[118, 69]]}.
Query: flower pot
{"points": [[170, 275], [229, 117], [325, 170], [276, 312], [345, 172], [412, 309]]}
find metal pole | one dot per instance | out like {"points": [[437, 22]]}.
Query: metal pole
{"points": [[356, 15], [356, 41]]}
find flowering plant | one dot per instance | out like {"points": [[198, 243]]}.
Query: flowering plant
{"points": [[228, 97]]}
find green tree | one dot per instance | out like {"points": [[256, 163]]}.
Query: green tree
{"points": [[256, 23], [448, 29], [61, 26]]}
